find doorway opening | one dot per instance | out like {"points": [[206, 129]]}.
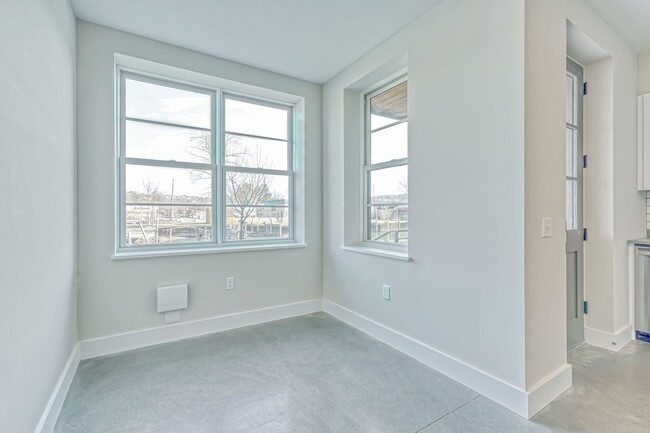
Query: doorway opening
{"points": [[575, 234]]}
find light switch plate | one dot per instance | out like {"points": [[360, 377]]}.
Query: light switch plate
{"points": [[547, 227]]}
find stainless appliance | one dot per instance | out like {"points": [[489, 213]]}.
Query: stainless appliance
{"points": [[642, 292]]}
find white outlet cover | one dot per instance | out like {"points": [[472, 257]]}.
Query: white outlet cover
{"points": [[230, 283], [386, 292]]}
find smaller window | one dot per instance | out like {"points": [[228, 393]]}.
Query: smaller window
{"points": [[386, 166]]}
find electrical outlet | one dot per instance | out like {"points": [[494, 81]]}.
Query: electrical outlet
{"points": [[230, 283], [386, 292]]}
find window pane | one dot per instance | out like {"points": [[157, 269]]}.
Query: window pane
{"points": [[256, 152], [571, 204], [388, 144], [256, 189], [167, 104], [389, 106], [146, 184], [388, 185], [256, 223], [388, 224], [255, 119], [167, 143], [147, 225], [571, 153], [570, 98]]}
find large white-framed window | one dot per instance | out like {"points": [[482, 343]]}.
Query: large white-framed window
{"points": [[385, 169], [201, 167]]}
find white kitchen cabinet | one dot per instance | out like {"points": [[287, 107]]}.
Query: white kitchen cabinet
{"points": [[643, 146]]}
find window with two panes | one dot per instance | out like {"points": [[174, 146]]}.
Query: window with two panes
{"points": [[386, 165], [201, 166]]}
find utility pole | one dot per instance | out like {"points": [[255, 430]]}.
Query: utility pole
{"points": [[171, 201]]}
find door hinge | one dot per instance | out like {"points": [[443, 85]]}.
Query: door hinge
{"points": [[585, 160], [584, 88], [584, 234], [585, 307]]}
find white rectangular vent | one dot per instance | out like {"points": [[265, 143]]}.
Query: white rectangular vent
{"points": [[172, 298]]}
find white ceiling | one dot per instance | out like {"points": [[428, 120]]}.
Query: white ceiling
{"points": [[308, 39], [629, 18]]}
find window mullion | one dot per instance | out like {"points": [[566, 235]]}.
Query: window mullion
{"points": [[121, 151], [218, 141]]}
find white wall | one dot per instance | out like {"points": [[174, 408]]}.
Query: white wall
{"points": [[599, 192], [118, 296], [644, 73], [545, 194], [37, 221], [462, 293]]}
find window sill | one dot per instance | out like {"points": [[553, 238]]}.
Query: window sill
{"points": [[379, 252], [148, 253]]}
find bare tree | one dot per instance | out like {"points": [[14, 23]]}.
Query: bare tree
{"points": [[152, 195], [244, 191]]}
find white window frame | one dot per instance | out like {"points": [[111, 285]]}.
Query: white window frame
{"points": [[367, 167], [218, 93]]}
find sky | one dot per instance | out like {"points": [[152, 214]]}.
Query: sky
{"points": [[151, 141]]}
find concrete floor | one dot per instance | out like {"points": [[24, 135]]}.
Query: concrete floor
{"points": [[316, 374]]}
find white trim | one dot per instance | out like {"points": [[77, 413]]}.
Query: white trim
{"points": [[631, 282], [141, 253], [380, 252], [607, 340], [178, 331], [55, 403], [549, 388], [218, 90], [521, 402]]}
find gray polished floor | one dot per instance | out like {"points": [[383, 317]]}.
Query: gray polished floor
{"points": [[316, 374]]}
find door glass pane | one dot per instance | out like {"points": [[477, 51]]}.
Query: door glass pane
{"points": [[388, 224], [167, 104], [167, 143], [571, 153], [256, 152], [389, 143], [570, 98], [571, 204], [255, 119], [388, 185]]}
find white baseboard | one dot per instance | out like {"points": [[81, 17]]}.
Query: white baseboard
{"points": [[608, 340], [549, 388], [53, 408], [178, 331], [507, 395]]}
